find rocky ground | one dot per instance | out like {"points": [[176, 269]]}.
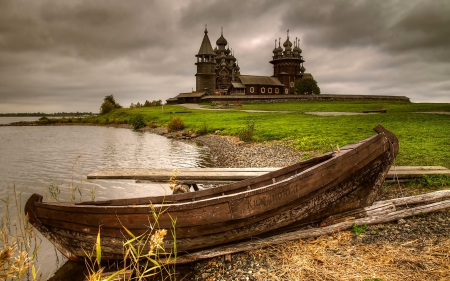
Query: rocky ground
{"points": [[416, 248]]}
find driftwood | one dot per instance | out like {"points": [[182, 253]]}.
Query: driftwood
{"points": [[376, 215], [371, 211], [418, 199]]}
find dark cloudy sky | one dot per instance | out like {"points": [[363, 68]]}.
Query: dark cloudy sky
{"points": [[67, 55]]}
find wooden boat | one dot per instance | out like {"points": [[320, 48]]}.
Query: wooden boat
{"points": [[308, 191]]}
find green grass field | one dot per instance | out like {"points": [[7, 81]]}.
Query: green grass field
{"points": [[424, 137]]}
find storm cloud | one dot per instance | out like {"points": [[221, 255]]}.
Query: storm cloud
{"points": [[67, 55]]}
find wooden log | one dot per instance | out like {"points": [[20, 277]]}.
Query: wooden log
{"points": [[374, 210], [418, 199], [309, 233]]}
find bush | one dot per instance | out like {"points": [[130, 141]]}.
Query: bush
{"points": [[138, 121], [176, 124], [246, 133], [106, 107], [44, 120]]}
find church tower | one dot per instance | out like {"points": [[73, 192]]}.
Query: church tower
{"points": [[288, 63], [206, 67]]}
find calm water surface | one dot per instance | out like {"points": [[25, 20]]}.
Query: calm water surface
{"points": [[8, 120], [34, 158]]}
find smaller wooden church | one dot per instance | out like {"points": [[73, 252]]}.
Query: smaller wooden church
{"points": [[218, 72]]}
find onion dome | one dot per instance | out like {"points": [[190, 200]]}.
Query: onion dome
{"points": [[227, 51], [279, 49], [287, 44], [297, 48], [275, 50], [302, 69], [221, 41]]}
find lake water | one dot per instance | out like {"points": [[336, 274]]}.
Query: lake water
{"points": [[34, 158], [9, 120]]}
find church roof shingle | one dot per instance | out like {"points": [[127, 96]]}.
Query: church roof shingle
{"points": [[260, 80], [205, 47]]}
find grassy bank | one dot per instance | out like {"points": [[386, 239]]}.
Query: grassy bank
{"points": [[424, 137]]}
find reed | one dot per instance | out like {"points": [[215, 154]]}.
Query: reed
{"points": [[75, 191], [144, 255], [19, 244]]}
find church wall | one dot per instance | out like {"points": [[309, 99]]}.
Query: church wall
{"points": [[205, 81]]}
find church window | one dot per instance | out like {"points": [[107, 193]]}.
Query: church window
{"points": [[252, 90], [292, 84], [286, 91], [277, 91], [263, 90], [269, 90]]}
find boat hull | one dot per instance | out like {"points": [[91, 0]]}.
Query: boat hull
{"points": [[342, 181]]}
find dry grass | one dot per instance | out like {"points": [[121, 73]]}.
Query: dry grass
{"points": [[18, 244], [338, 257]]}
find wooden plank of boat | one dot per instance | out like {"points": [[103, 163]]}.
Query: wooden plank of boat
{"points": [[200, 175], [181, 173], [306, 191]]}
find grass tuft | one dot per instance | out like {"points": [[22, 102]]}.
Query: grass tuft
{"points": [[246, 134], [358, 229]]}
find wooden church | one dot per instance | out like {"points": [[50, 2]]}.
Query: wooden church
{"points": [[218, 72]]}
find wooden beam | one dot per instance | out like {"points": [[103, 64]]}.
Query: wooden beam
{"points": [[200, 175]]}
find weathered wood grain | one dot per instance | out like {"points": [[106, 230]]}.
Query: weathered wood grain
{"points": [[310, 233], [207, 175]]}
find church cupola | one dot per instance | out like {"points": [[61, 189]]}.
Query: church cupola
{"points": [[279, 49], [221, 42], [287, 46], [275, 50], [297, 50]]}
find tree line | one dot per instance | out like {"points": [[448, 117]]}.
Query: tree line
{"points": [[109, 103]]}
